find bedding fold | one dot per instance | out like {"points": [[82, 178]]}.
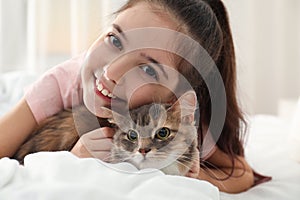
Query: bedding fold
{"points": [[61, 175]]}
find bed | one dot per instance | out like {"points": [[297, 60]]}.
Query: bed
{"points": [[270, 149]]}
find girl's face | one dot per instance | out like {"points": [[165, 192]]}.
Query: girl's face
{"points": [[117, 72]]}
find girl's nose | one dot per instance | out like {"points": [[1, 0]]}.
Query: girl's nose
{"points": [[114, 72], [108, 75]]}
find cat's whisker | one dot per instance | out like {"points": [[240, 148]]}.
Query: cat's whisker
{"points": [[214, 167], [182, 156], [121, 158], [107, 158], [191, 158], [182, 164], [211, 172], [111, 158]]}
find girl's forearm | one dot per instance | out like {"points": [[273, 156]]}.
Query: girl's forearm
{"points": [[15, 127]]}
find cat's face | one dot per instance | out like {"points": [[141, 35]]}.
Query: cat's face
{"points": [[155, 136]]}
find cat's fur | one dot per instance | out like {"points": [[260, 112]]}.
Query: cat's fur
{"points": [[173, 155], [60, 132]]}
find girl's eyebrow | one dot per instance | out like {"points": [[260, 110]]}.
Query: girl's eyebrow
{"points": [[118, 28], [152, 60]]}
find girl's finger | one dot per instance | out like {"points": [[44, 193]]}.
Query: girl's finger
{"points": [[80, 150], [193, 173], [195, 169]]}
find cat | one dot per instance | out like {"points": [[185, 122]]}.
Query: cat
{"points": [[160, 136]]}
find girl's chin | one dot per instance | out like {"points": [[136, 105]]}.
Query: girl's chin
{"points": [[92, 106], [95, 110]]}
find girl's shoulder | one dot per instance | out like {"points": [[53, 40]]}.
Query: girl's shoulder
{"points": [[54, 90], [68, 70]]}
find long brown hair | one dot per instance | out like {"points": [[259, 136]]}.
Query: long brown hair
{"points": [[230, 139], [206, 21]]}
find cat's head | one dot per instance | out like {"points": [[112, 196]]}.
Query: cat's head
{"points": [[155, 135]]}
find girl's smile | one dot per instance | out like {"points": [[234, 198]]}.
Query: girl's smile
{"points": [[102, 91]]}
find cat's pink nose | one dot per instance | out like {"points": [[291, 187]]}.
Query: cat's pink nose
{"points": [[144, 151]]}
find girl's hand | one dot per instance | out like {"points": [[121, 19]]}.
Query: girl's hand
{"points": [[195, 169], [96, 143]]}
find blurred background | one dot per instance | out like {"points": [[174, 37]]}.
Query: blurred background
{"points": [[35, 35]]}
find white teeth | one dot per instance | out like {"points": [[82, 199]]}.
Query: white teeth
{"points": [[100, 87], [111, 96], [103, 91]]}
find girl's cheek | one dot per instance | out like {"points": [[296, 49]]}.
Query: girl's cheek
{"points": [[96, 59]]}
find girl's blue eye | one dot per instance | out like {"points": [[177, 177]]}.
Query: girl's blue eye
{"points": [[150, 71], [115, 41]]}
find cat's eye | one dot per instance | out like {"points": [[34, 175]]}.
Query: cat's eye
{"points": [[132, 135], [163, 133], [115, 41], [149, 70]]}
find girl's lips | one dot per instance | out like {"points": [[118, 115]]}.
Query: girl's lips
{"points": [[106, 95], [102, 89], [102, 92]]}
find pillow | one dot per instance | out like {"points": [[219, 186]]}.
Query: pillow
{"points": [[294, 135], [12, 85]]}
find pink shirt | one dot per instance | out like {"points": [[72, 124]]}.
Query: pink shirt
{"points": [[53, 91]]}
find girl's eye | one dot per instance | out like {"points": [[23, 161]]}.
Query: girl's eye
{"points": [[150, 71], [132, 135], [115, 41], [163, 133]]}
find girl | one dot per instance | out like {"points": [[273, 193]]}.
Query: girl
{"points": [[107, 73]]}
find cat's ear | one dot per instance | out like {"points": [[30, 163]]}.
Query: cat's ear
{"points": [[120, 120], [186, 106]]}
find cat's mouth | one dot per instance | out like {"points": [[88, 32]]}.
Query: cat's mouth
{"points": [[151, 163]]}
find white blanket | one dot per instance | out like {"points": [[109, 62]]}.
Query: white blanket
{"points": [[60, 175]]}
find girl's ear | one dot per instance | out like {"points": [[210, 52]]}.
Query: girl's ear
{"points": [[186, 106]]}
